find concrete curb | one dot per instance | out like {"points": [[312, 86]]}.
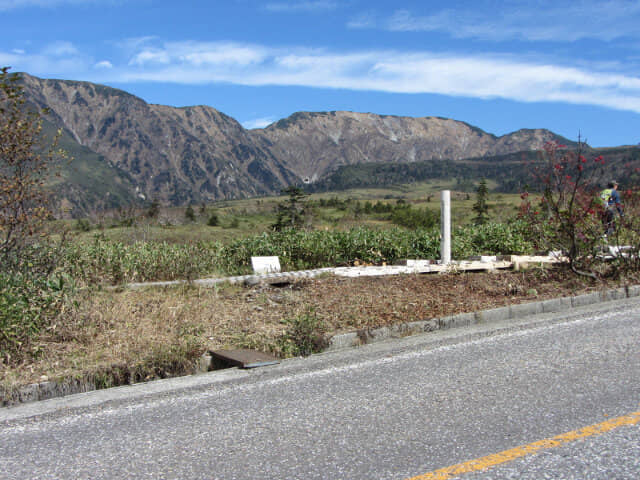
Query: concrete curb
{"points": [[252, 279], [367, 336], [481, 263], [51, 389]]}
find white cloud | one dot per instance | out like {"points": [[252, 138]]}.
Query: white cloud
{"points": [[534, 21], [150, 57], [479, 76], [104, 64], [9, 59], [388, 71], [258, 123], [59, 59], [199, 54], [61, 49]]}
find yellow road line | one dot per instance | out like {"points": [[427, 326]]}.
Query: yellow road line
{"points": [[489, 461]]}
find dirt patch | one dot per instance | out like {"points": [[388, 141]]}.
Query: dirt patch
{"points": [[161, 332]]}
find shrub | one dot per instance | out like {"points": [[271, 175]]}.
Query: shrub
{"points": [[407, 216], [190, 214], [492, 239], [213, 220], [32, 298], [569, 214], [305, 334], [83, 225]]}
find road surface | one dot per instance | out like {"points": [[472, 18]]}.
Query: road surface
{"points": [[396, 410]]}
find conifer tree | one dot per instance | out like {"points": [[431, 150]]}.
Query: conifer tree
{"points": [[480, 207], [291, 212]]}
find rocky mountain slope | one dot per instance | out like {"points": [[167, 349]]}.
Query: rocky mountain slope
{"points": [[174, 155], [196, 154], [314, 144]]}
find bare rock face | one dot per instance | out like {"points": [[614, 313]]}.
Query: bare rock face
{"points": [[312, 144], [174, 155], [196, 154]]}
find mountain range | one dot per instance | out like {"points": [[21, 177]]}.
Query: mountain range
{"points": [[126, 151]]}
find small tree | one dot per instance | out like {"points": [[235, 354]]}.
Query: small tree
{"points": [[190, 213], [480, 207], [31, 296], [568, 217], [154, 209], [213, 220], [292, 212], [25, 163]]}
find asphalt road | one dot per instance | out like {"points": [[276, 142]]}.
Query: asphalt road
{"points": [[394, 410]]}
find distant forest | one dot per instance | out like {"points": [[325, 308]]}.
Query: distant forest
{"points": [[510, 172], [513, 173]]}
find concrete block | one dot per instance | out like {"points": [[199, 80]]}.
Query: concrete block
{"points": [[525, 309], [462, 320], [265, 264], [373, 335], [556, 304], [250, 280], [30, 393], [48, 390], [587, 299], [444, 323], [204, 363], [633, 291], [493, 315], [484, 258], [401, 330], [431, 325], [614, 294], [422, 326], [345, 340], [456, 321], [416, 263]]}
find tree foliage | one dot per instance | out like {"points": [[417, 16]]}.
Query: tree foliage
{"points": [[480, 207], [25, 163], [293, 211], [32, 295], [568, 216]]}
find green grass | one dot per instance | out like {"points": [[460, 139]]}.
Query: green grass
{"points": [[242, 218]]}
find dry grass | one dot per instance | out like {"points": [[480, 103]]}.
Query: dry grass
{"points": [[128, 336]]}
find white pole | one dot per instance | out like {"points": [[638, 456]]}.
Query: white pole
{"points": [[445, 227]]}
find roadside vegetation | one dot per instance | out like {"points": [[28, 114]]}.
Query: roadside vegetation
{"points": [[65, 313]]}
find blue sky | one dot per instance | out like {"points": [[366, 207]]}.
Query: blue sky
{"points": [[570, 66]]}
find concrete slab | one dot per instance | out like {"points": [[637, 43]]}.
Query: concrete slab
{"points": [[265, 264], [633, 291], [587, 299], [493, 315], [556, 304], [525, 309], [344, 340], [244, 358]]}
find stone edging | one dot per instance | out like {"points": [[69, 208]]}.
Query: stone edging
{"points": [[50, 389], [367, 335]]}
